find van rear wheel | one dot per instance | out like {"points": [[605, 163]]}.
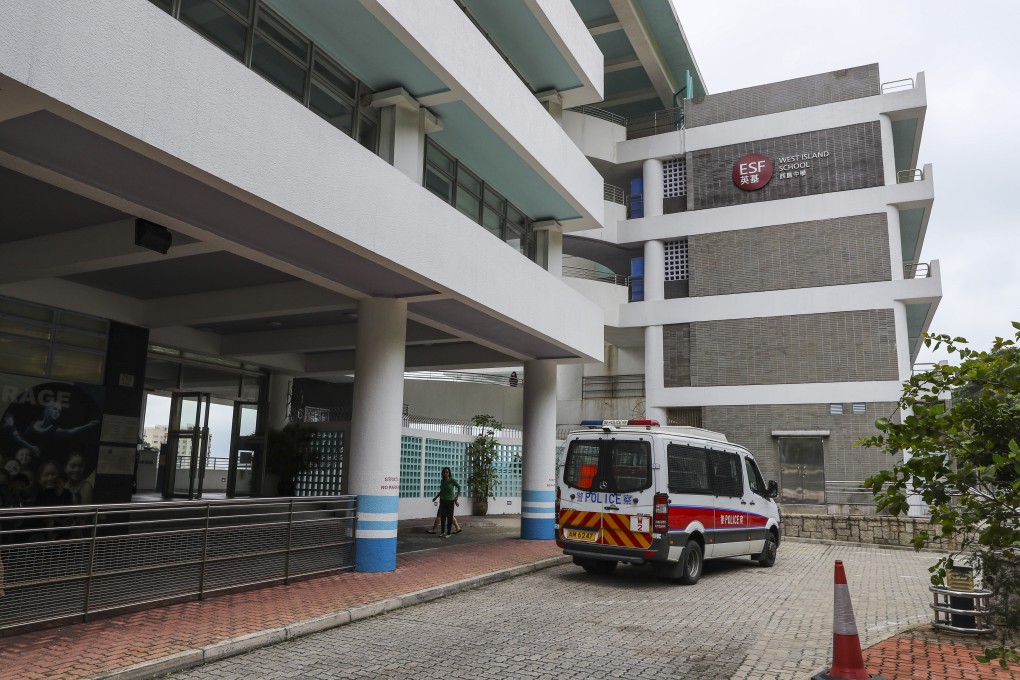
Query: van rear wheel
{"points": [[690, 563], [599, 567]]}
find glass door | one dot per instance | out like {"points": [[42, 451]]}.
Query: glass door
{"points": [[802, 470], [247, 442], [187, 445]]}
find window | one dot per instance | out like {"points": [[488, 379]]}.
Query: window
{"points": [[727, 477], [51, 343], [223, 22], [688, 470], [582, 465], [835, 409], [608, 466], [860, 409], [280, 54], [754, 479]]}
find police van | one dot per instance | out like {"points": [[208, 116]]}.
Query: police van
{"points": [[636, 492]]}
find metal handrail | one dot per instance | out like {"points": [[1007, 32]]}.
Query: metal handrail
{"points": [[614, 194], [656, 123], [465, 376], [895, 85], [916, 270], [65, 564], [911, 175], [462, 427], [600, 113], [592, 275]]}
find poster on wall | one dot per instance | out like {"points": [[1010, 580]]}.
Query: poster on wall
{"points": [[49, 439]]}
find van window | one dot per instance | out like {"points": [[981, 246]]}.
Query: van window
{"points": [[608, 466], [754, 479], [688, 469], [727, 476]]}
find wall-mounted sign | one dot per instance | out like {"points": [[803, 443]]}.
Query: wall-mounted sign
{"points": [[752, 172], [799, 164]]}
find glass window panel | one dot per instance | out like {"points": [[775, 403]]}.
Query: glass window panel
{"points": [[492, 221], [516, 217], [242, 7], [25, 311], [81, 340], [249, 418], [251, 387], [582, 464], [215, 381], [630, 466], [333, 108], [279, 68], [497, 202], [164, 5], [82, 323], [23, 357], [334, 77], [469, 182], [468, 204], [216, 24], [439, 159], [515, 237], [284, 37], [438, 184], [25, 329], [368, 134], [72, 364]]}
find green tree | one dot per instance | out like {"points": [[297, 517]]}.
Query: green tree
{"points": [[964, 463], [481, 460]]}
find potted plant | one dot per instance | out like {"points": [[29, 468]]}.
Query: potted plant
{"points": [[289, 452], [481, 463]]}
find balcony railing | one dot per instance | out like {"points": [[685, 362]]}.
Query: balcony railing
{"points": [[657, 123], [916, 270], [600, 113], [911, 175], [614, 194], [592, 275], [65, 564], [897, 85]]}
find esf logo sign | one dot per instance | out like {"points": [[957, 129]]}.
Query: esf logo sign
{"points": [[752, 172]]}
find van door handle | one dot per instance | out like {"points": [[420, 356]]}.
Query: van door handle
{"points": [[743, 502], [610, 507], [752, 502]]}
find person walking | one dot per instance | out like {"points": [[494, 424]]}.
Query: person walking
{"points": [[435, 525], [449, 496]]}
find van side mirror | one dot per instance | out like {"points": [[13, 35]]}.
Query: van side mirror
{"points": [[773, 489]]}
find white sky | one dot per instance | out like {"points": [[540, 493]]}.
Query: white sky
{"points": [[968, 54]]}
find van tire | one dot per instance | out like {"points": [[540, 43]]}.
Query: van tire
{"points": [[691, 563], [599, 567], [767, 557]]}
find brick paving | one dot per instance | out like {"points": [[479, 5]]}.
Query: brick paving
{"points": [[739, 622]]}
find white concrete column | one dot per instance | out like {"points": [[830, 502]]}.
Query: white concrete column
{"points": [[550, 246], [903, 363], [654, 365], [655, 271], [652, 178], [888, 149], [538, 494], [892, 214], [279, 399], [403, 124], [374, 461], [553, 103]]}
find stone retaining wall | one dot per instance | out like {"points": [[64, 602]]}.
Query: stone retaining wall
{"points": [[876, 529]]}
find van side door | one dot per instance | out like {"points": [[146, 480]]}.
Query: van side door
{"points": [[759, 508], [727, 472]]}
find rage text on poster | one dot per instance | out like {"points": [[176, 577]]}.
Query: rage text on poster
{"points": [[11, 394]]}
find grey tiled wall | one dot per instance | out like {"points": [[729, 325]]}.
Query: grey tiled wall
{"points": [[676, 355], [804, 348], [800, 255], [786, 95], [854, 162], [752, 427]]}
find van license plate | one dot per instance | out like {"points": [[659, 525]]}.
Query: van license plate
{"points": [[581, 535]]}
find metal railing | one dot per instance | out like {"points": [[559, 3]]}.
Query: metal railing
{"points": [[595, 112], [66, 564], [592, 275], [896, 85], [466, 376], [667, 120], [614, 194], [916, 270], [911, 175], [463, 427]]}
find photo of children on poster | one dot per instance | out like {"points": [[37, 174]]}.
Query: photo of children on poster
{"points": [[49, 442]]}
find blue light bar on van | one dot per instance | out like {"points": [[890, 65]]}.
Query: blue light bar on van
{"points": [[591, 423]]}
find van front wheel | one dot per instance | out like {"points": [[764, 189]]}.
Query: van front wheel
{"points": [[768, 554], [690, 563]]}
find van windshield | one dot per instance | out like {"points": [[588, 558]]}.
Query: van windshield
{"points": [[610, 466]]}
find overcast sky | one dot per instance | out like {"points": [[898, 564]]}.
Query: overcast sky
{"points": [[968, 54]]}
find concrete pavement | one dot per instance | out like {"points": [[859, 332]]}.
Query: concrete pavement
{"points": [[776, 623]]}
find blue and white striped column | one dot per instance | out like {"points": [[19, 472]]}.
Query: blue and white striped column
{"points": [[375, 430], [538, 497]]}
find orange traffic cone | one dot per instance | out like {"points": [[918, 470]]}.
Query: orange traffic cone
{"points": [[847, 661]]}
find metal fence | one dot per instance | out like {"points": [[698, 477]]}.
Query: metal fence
{"points": [[593, 275], [916, 270], [656, 123], [68, 564], [613, 194], [596, 112]]}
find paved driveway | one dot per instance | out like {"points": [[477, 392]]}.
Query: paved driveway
{"points": [[739, 621]]}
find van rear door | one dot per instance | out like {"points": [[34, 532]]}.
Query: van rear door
{"points": [[608, 496]]}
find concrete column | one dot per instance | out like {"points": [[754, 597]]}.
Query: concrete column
{"points": [[538, 495], [903, 363], [654, 365], [279, 399], [896, 253], [550, 246], [655, 271], [375, 430], [402, 128], [888, 149], [553, 103], [653, 186]]}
